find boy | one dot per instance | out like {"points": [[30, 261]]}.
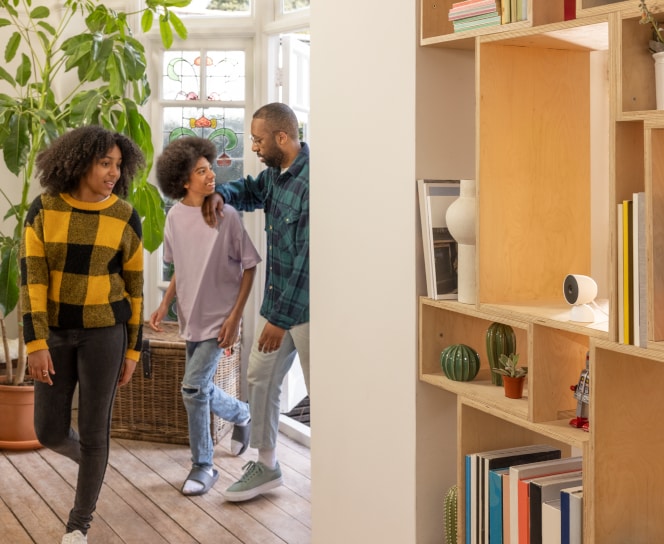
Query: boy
{"points": [[215, 269]]}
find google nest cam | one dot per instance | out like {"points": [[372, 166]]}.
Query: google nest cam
{"points": [[580, 291]]}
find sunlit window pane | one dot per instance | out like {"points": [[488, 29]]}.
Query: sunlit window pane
{"points": [[223, 126], [294, 5], [216, 75], [216, 8]]}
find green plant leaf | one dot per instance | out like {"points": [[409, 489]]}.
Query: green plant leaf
{"points": [[148, 203], [9, 278], [4, 74], [146, 20], [40, 12], [47, 27], [178, 25], [17, 144], [12, 46], [24, 70], [165, 32]]}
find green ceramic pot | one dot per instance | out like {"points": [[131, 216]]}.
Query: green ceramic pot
{"points": [[460, 362]]}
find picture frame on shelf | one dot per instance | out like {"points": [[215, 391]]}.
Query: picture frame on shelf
{"points": [[439, 247]]}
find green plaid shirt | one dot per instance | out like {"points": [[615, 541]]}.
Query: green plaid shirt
{"points": [[285, 201], [81, 267]]}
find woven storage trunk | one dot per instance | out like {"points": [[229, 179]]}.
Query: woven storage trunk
{"points": [[150, 406]]}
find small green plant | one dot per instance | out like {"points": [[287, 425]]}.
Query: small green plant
{"points": [[509, 364], [647, 18], [451, 515]]}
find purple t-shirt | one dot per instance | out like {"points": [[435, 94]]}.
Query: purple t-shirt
{"points": [[209, 263]]}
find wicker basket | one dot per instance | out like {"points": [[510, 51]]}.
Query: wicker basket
{"points": [[150, 406]]}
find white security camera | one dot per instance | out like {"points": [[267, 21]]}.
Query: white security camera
{"points": [[580, 291]]}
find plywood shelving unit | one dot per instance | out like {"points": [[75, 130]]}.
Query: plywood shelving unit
{"points": [[566, 127]]}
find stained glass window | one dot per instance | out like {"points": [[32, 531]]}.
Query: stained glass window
{"points": [[203, 94], [224, 126], [208, 76], [207, 81]]}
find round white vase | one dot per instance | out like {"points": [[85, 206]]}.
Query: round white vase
{"points": [[659, 78], [460, 219]]}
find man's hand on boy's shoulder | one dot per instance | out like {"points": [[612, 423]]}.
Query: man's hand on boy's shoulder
{"points": [[212, 207]]}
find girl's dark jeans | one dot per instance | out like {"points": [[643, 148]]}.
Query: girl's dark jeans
{"points": [[91, 359]]}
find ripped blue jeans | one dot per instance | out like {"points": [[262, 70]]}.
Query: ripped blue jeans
{"points": [[201, 396]]}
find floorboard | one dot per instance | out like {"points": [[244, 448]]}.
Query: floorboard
{"points": [[141, 503]]}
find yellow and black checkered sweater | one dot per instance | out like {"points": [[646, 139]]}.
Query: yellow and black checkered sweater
{"points": [[81, 267]]}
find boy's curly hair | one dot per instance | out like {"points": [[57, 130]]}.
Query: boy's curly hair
{"points": [[178, 161], [63, 164]]}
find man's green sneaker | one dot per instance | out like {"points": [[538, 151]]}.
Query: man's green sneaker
{"points": [[257, 479]]}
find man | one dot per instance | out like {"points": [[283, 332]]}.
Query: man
{"points": [[282, 191]]}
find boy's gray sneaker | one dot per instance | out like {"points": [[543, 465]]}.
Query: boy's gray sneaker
{"points": [[257, 479]]}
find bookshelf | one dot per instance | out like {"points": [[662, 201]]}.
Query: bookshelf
{"points": [[566, 127]]}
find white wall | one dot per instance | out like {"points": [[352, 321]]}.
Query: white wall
{"points": [[383, 445], [363, 319]]}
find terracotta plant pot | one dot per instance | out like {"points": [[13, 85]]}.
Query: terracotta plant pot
{"points": [[17, 411], [513, 387]]}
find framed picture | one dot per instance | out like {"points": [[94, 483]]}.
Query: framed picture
{"points": [[439, 247]]}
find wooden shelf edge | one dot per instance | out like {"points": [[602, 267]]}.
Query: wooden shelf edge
{"points": [[490, 399]]}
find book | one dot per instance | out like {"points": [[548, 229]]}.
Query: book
{"points": [[503, 458], [505, 12], [551, 522], [543, 489], [476, 18], [461, 15], [439, 247], [464, 3], [468, 499], [461, 25], [571, 515], [479, 8], [628, 327], [532, 470], [621, 276], [506, 507], [639, 268], [496, 505]]}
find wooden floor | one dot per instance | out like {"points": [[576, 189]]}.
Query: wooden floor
{"points": [[140, 501]]}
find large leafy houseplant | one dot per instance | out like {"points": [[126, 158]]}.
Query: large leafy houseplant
{"points": [[79, 65]]}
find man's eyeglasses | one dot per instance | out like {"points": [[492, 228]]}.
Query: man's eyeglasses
{"points": [[259, 141]]}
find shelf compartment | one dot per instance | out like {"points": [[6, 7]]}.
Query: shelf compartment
{"points": [[558, 359], [586, 8], [534, 188], [655, 203], [627, 444], [635, 65], [479, 430], [443, 323], [437, 29]]}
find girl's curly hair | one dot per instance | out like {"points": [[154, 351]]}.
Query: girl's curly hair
{"points": [[68, 159], [178, 161]]}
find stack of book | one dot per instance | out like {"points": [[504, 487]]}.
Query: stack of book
{"points": [[523, 495], [632, 272], [471, 14]]}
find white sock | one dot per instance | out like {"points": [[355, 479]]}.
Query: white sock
{"points": [[192, 487], [268, 458]]}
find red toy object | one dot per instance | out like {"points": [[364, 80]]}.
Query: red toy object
{"points": [[582, 395]]}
